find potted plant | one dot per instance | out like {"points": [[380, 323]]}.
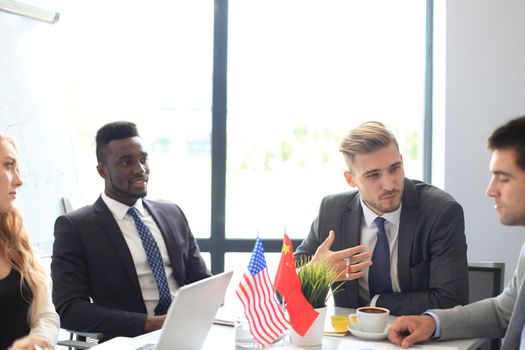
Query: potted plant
{"points": [[316, 280]]}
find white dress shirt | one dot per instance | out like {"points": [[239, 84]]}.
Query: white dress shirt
{"points": [[147, 282], [369, 239]]}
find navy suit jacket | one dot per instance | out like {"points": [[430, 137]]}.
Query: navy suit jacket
{"points": [[95, 284], [432, 250]]}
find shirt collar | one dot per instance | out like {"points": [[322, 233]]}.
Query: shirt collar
{"points": [[370, 216], [119, 209]]}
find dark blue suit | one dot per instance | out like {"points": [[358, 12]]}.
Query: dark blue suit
{"points": [[91, 260]]}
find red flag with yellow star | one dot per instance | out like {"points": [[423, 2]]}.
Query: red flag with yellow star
{"points": [[287, 283]]}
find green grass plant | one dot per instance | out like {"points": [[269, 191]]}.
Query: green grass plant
{"points": [[316, 280]]}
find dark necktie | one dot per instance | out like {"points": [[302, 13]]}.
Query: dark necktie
{"points": [[155, 262], [379, 281]]}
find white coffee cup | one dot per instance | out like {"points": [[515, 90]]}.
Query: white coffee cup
{"points": [[370, 319]]}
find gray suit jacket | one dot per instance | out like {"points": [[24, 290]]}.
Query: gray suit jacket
{"points": [[490, 318], [432, 260]]}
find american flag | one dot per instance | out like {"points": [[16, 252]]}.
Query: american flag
{"points": [[266, 319]]}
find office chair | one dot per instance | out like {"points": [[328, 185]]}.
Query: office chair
{"points": [[485, 280], [80, 340]]}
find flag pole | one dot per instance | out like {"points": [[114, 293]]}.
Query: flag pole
{"points": [[283, 301], [282, 296]]}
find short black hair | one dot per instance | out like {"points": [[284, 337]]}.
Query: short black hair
{"points": [[510, 135], [113, 131]]}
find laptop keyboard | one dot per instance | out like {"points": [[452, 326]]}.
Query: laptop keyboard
{"points": [[147, 347]]}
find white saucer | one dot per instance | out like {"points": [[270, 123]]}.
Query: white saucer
{"points": [[367, 335]]}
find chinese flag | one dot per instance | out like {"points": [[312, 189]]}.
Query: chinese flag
{"points": [[287, 283]]}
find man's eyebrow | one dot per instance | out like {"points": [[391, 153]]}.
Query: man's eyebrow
{"points": [[376, 170], [501, 172], [125, 156], [129, 156], [371, 172]]}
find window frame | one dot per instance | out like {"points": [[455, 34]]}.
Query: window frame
{"points": [[217, 245]]}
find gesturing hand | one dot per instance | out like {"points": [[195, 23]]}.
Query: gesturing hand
{"points": [[359, 260]]}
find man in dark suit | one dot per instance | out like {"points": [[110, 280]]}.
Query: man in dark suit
{"points": [[106, 278], [418, 244]]}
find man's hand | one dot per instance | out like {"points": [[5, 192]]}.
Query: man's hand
{"points": [[31, 343], [408, 330], [358, 260], [153, 323]]}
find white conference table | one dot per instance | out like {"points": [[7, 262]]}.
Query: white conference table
{"points": [[223, 337]]}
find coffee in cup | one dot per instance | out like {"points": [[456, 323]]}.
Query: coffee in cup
{"points": [[370, 319]]}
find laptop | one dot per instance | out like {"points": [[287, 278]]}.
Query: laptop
{"points": [[189, 319]]}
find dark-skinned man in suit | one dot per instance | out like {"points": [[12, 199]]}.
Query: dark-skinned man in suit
{"points": [[103, 279]]}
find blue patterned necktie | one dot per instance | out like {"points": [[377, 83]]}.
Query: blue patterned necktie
{"points": [[155, 262], [379, 281]]}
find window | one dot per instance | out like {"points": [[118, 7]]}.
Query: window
{"points": [[151, 65], [299, 75]]}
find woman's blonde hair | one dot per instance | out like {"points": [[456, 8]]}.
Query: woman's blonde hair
{"points": [[16, 248]]}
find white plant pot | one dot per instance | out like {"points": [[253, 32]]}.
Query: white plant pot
{"points": [[314, 335]]}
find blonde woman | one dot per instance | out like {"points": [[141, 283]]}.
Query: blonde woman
{"points": [[27, 316]]}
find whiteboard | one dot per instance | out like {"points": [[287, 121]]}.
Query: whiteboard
{"points": [[31, 113]]}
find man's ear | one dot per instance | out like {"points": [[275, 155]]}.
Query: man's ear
{"points": [[101, 169], [349, 178]]}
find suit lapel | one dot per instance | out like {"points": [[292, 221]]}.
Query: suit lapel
{"points": [[352, 223], [110, 227], [407, 230], [351, 227]]}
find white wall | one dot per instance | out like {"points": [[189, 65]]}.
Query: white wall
{"points": [[33, 113], [484, 70]]}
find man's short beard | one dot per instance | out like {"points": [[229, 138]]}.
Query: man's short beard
{"points": [[129, 194]]}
